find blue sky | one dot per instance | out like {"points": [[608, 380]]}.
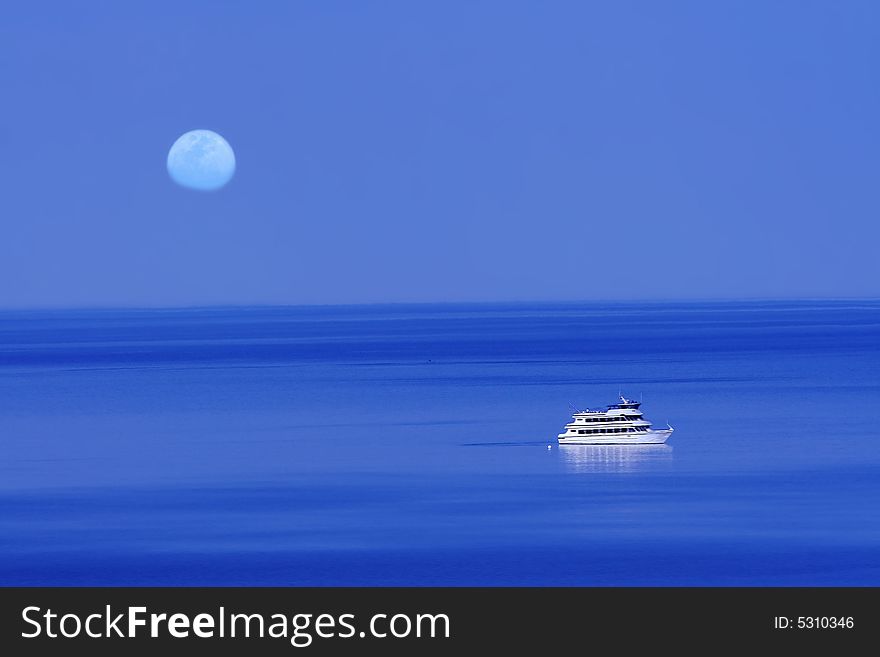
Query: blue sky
{"points": [[440, 151]]}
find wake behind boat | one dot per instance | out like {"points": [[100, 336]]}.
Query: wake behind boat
{"points": [[618, 424]]}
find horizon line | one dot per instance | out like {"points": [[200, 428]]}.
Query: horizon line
{"points": [[369, 304]]}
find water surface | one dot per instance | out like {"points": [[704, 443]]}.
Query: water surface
{"points": [[409, 445]]}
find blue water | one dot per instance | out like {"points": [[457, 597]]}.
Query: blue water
{"points": [[409, 445]]}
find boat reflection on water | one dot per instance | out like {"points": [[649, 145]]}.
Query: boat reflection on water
{"points": [[616, 458]]}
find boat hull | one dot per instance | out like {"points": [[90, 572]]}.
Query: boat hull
{"points": [[651, 437]]}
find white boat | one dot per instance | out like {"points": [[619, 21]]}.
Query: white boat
{"points": [[617, 424]]}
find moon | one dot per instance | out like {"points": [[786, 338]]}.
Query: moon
{"points": [[201, 159]]}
